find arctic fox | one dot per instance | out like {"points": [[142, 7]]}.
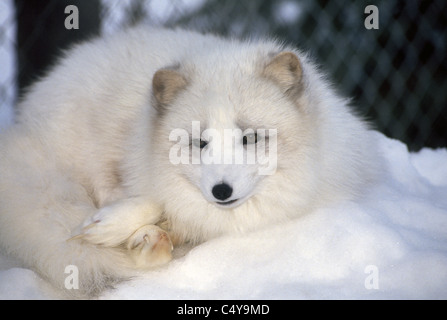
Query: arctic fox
{"points": [[121, 151]]}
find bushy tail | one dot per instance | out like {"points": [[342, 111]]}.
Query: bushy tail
{"points": [[39, 208]]}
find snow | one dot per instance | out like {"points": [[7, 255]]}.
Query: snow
{"points": [[287, 12], [159, 12], [389, 244]]}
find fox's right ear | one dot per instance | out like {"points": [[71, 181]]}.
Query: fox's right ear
{"points": [[166, 84]]}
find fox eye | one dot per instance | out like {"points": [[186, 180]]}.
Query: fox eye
{"points": [[199, 143], [250, 138]]}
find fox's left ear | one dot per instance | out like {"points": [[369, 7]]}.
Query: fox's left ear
{"points": [[285, 69]]}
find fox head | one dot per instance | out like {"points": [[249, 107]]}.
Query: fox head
{"points": [[223, 146]]}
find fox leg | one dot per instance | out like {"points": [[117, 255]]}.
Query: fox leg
{"points": [[129, 222]]}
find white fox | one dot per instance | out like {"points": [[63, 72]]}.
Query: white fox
{"points": [[87, 171]]}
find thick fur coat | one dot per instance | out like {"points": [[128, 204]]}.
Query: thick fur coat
{"points": [[87, 176]]}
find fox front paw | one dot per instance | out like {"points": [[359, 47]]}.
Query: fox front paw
{"points": [[150, 246], [103, 228]]}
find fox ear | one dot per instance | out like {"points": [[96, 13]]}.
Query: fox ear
{"points": [[166, 84], [285, 69]]}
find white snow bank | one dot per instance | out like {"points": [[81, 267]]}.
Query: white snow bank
{"points": [[391, 244]]}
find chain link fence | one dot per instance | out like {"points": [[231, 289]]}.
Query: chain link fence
{"points": [[7, 63], [396, 74]]}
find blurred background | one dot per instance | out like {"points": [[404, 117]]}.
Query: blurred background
{"points": [[396, 75]]}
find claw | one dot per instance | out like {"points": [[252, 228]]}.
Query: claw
{"points": [[76, 237], [84, 229], [91, 225]]}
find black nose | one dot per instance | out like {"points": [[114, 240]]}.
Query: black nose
{"points": [[222, 191]]}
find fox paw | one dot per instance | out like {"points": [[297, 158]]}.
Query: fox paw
{"points": [[150, 246], [101, 229], [111, 226]]}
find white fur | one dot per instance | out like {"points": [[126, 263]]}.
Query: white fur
{"points": [[89, 150]]}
